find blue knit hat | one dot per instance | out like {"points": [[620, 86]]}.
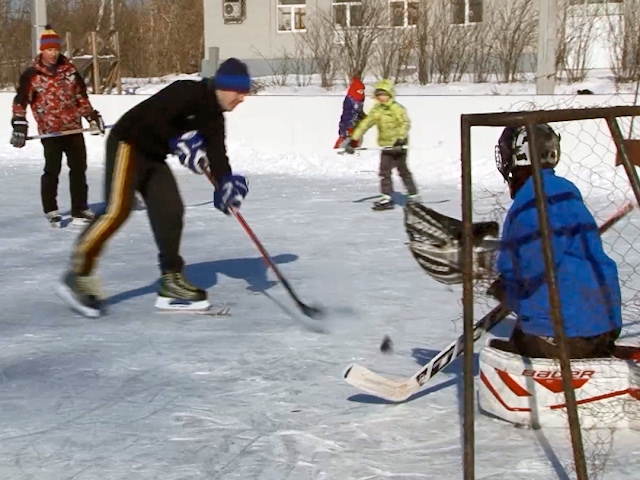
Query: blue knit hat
{"points": [[233, 75]]}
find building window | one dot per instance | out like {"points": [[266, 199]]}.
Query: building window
{"points": [[291, 15], [466, 11], [585, 2], [347, 13], [403, 13], [597, 8]]}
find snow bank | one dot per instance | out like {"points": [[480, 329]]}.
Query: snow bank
{"points": [[293, 135]]}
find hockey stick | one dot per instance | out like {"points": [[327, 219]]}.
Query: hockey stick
{"points": [[312, 312], [342, 151], [67, 132], [399, 390], [309, 311]]}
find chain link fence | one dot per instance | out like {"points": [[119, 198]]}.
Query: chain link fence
{"points": [[588, 159]]}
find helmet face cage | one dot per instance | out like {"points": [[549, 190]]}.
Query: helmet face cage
{"points": [[504, 151], [512, 150]]}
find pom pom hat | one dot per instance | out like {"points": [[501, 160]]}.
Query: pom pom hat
{"points": [[50, 39]]}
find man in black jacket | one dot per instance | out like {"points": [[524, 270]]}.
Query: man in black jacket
{"points": [[185, 118]]}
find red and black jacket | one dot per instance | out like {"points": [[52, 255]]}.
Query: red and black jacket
{"points": [[57, 95]]}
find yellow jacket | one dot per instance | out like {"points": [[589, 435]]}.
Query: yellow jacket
{"points": [[390, 117]]}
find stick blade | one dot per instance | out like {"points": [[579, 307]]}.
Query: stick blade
{"points": [[312, 312], [375, 384]]}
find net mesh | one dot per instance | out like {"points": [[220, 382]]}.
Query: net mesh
{"points": [[589, 160]]}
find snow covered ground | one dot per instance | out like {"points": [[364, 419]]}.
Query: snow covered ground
{"points": [[599, 81], [139, 394]]}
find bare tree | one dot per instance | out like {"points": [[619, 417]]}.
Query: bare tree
{"points": [[302, 63], [624, 42], [15, 40], [575, 36], [281, 68], [319, 40], [392, 52], [444, 49], [514, 30], [358, 29], [427, 13], [482, 47]]}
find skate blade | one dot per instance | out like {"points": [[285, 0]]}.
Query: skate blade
{"points": [[67, 295], [216, 312], [174, 305], [79, 222]]}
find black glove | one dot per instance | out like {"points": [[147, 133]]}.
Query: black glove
{"points": [[399, 146], [348, 146], [96, 121], [19, 135], [497, 291]]}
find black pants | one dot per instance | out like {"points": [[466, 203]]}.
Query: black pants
{"points": [[74, 148], [389, 161], [533, 346], [128, 170]]}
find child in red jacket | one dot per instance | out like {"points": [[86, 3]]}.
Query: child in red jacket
{"points": [[352, 111]]}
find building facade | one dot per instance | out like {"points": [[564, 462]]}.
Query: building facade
{"points": [[259, 31]]}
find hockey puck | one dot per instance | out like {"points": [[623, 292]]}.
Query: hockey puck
{"points": [[387, 345]]}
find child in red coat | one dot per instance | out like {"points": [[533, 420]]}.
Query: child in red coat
{"points": [[352, 111]]}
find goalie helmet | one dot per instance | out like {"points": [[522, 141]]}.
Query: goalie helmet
{"points": [[512, 151], [435, 241]]}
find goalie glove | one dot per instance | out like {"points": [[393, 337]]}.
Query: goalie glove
{"points": [[435, 241]]}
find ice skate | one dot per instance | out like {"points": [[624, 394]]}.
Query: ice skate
{"points": [[415, 198], [176, 293], [82, 293], [83, 218], [384, 203], [54, 218]]}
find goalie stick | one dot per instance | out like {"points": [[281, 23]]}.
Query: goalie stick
{"points": [[399, 390]]}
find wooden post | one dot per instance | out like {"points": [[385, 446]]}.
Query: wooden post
{"points": [[116, 40], [96, 63], [38, 21], [67, 42], [546, 68]]}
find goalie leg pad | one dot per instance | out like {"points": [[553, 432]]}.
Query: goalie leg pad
{"points": [[529, 391]]}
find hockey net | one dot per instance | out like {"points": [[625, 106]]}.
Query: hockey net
{"points": [[588, 159]]}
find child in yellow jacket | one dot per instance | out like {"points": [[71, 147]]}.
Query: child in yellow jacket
{"points": [[393, 134]]}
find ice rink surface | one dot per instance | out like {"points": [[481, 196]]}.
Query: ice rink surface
{"points": [[144, 395]]}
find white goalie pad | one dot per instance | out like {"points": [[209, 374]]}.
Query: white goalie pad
{"points": [[528, 391]]}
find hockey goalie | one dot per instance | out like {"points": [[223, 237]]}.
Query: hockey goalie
{"points": [[520, 379]]}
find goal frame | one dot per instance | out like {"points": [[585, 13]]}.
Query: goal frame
{"points": [[528, 119]]}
